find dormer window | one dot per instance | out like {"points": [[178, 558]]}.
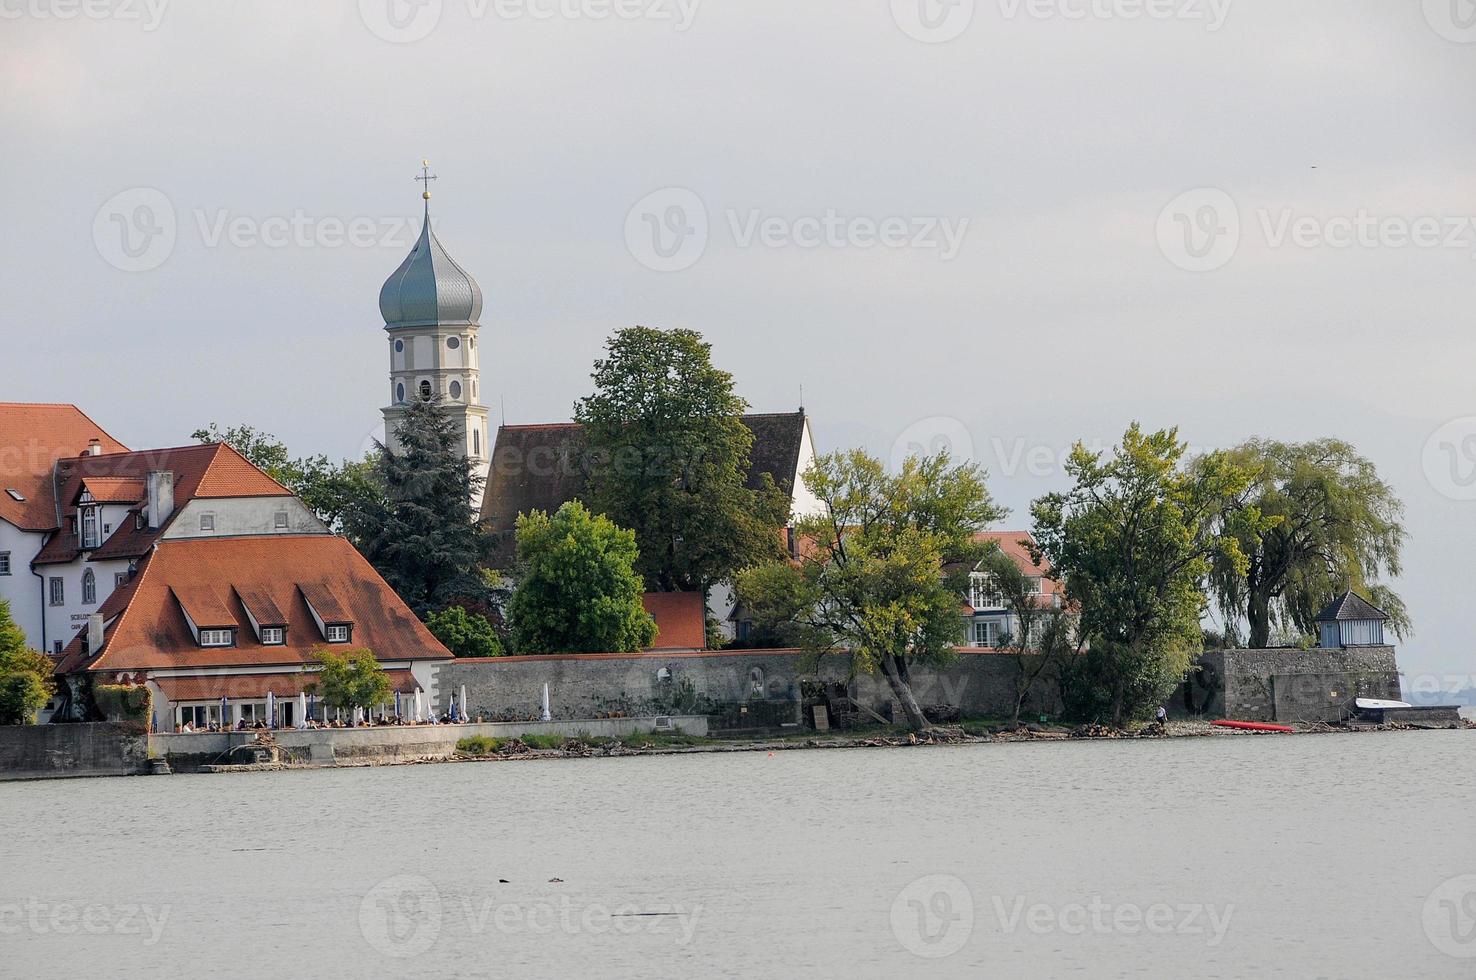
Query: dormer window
{"points": [[90, 536], [337, 634], [273, 636], [983, 592], [217, 638]]}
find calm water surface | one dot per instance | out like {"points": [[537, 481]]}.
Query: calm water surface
{"points": [[1335, 856]]}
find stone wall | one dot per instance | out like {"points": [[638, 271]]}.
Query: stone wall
{"points": [[1288, 685], [332, 746], [53, 751], [588, 685]]}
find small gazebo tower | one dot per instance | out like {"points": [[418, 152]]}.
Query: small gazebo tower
{"points": [[1351, 621]]}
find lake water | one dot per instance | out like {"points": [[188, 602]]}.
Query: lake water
{"points": [[1337, 856]]}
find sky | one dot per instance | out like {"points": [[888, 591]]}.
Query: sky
{"points": [[998, 226]]}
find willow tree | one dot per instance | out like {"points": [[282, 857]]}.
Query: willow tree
{"points": [[1334, 525], [882, 569]]}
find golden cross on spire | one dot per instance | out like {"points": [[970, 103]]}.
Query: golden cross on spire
{"points": [[425, 178]]}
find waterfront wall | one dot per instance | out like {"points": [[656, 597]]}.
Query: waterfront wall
{"points": [[52, 751], [352, 746], [589, 685], [1288, 685]]}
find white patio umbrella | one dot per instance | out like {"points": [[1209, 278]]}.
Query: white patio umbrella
{"points": [[547, 715], [302, 709], [271, 710], [418, 716], [464, 716]]}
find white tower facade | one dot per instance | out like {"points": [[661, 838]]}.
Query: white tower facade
{"points": [[431, 308]]}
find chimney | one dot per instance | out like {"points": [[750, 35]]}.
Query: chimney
{"points": [[94, 632], [94, 447], [161, 498]]}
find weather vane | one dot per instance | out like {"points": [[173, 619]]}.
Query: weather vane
{"points": [[425, 178]]}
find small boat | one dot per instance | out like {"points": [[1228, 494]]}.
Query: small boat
{"points": [[1374, 704], [1253, 726]]}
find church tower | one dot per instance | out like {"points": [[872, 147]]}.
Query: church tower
{"points": [[431, 307]]}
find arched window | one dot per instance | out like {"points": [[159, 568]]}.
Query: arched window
{"points": [[456, 391], [425, 391], [89, 588], [476, 442]]}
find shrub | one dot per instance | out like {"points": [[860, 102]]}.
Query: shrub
{"points": [[465, 634], [479, 745], [22, 693], [123, 702]]}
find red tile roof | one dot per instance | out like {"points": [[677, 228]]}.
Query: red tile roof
{"points": [[114, 489], [681, 620], [32, 439], [148, 631], [1016, 545], [212, 470], [204, 606]]}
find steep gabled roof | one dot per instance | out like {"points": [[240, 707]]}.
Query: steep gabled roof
{"points": [[32, 439], [148, 631], [1350, 605], [542, 467], [206, 471]]}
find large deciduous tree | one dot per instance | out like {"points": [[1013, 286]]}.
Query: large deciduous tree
{"points": [[418, 529], [1334, 525], [1044, 633], [578, 590], [1133, 540], [882, 571], [669, 458]]}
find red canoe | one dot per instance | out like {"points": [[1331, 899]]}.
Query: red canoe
{"points": [[1253, 726]]}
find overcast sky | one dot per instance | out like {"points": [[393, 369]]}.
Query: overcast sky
{"points": [[1004, 224]]}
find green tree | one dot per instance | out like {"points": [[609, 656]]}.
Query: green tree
{"points": [[418, 529], [1132, 541], [465, 634], [883, 569], [669, 457], [578, 590], [1044, 634], [26, 676], [1332, 525], [351, 679]]}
